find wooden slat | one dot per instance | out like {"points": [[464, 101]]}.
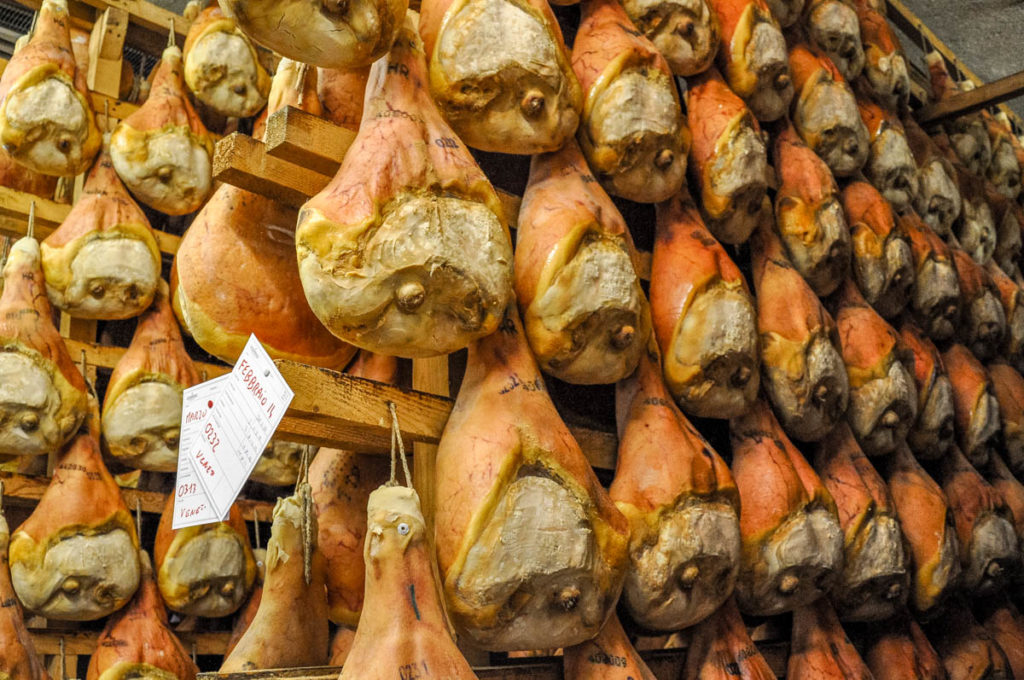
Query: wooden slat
{"points": [[428, 375], [243, 162], [307, 140], [106, 50], [107, 356], [974, 100]]}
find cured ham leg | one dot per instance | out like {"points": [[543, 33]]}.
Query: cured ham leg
{"points": [[682, 505], [927, 526], [341, 645], [248, 613], [43, 397], [721, 649], [103, 262], [531, 549], [686, 32], [137, 642], [703, 316], [280, 462], [883, 398], [18, 659], [1004, 623], [975, 404], [820, 648], [728, 160], [609, 656], [142, 405], [76, 557], [1012, 298], [1010, 493], [989, 548], [162, 151], [834, 29], [792, 542], [584, 312], [204, 570], [983, 323], [387, 262], [501, 74], [938, 200], [1008, 386], [899, 650], [342, 93], [632, 131], [753, 56], [405, 630], [883, 262], [809, 214], [890, 166], [19, 178], [222, 67], [932, 432], [968, 134], [968, 652], [46, 120], [935, 295], [803, 371], [1008, 216], [1005, 171], [885, 65], [874, 581], [786, 12], [294, 595]]}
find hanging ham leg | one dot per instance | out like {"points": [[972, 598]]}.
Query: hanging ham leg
{"points": [[531, 549], [890, 166], [820, 648], [342, 93], [46, 120], [932, 433], [792, 542], [609, 656], [883, 263], [968, 652], [1011, 495], [1005, 624], [721, 649], [682, 506], [968, 134], [500, 73], [138, 642], [975, 404], [248, 612], [703, 315], [803, 371], [280, 462], [927, 526], [686, 32], [899, 650], [18, 659], [19, 178], [1012, 299], [786, 12], [885, 65], [809, 214], [935, 295], [1008, 386], [983, 323], [392, 264], [1005, 171], [938, 200], [632, 131], [833, 28]]}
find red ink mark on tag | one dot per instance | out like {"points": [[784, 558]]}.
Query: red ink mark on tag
{"points": [[209, 404]]}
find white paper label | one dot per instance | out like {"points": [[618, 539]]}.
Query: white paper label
{"points": [[191, 505]]}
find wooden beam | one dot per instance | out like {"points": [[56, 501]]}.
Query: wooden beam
{"points": [[106, 50], [974, 100], [307, 140], [243, 162]]}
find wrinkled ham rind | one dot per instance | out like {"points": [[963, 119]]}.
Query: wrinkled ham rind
{"points": [[289, 601], [728, 159], [584, 312], [682, 505], [883, 397], [890, 165], [968, 134], [632, 130], [18, 659], [43, 397], [103, 262], [935, 295], [932, 432], [874, 583], [142, 405], [982, 325], [609, 655], [205, 570], [809, 214], [927, 526], [753, 56], [1008, 216], [898, 650], [704, 316], [938, 201], [138, 642], [500, 73], [792, 541], [280, 463], [883, 263], [685, 31], [531, 549], [966, 649], [162, 151], [885, 65], [1012, 298], [820, 648], [1004, 623], [1008, 386], [405, 626], [326, 33], [405, 252], [222, 68], [342, 93], [802, 370], [975, 404], [721, 649], [76, 557], [1005, 171], [46, 120], [833, 27]]}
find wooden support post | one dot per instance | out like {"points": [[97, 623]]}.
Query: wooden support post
{"points": [[106, 49], [428, 375]]}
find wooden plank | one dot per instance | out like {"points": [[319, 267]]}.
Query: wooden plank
{"points": [[428, 375], [243, 162], [975, 100], [106, 49], [107, 356], [307, 140]]}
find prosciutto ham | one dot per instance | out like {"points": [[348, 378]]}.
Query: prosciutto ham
{"points": [[820, 648], [1004, 623], [983, 322], [932, 432], [342, 93], [885, 65], [608, 656], [966, 649], [18, 659], [1012, 298], [968, 135], [721, 649], [686, 32], [899, 649], [935, 295], [975, 404], [938, 200], [833, 27], [890, 165], [1008, 386]]}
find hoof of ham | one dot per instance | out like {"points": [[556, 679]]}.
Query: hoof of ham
{"points": [[686, 32], [975, 403], [500, 72], [46, 120], [682, 506], [387, 264], [704, 316], [874, 583], [982, 325], [728, 159], [341, 93], [531, 549], [932, 433], [1008, 386], [583, 309], [205, 570], [968, 652], [883, 262], [721, 649], [898, 649], [890, 165], [833, 27], [632, 132], [938, 201], [590, 660], [885, 65], [792, 541], [935, 295], [18, 658], [809, 215], [222, 67], [883, 397], [802, 370], [820, 648]]}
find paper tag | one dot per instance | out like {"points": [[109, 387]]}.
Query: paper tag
{"points": [[191, 505], [246, 412]]}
